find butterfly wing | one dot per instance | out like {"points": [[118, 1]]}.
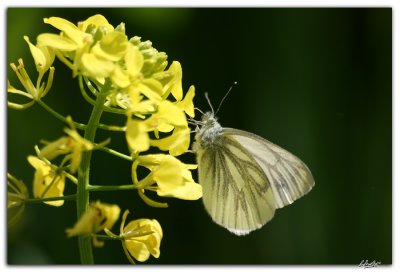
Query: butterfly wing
{"points": [[236, 191], [288, 176]]}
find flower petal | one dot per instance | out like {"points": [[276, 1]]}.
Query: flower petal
{"points": [[136, 135], [177, 143]]}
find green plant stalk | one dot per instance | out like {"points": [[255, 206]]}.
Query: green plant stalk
{"points": [[112, 187], [41, 200], [85, 245]]}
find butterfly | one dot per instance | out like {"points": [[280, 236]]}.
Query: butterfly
{"points": [[245, 178]]}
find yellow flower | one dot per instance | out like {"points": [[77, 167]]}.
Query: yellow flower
{"points": [[16, 196], [98, 217], [47, 181], [71, 44], [73, 145], [173, 177], [140, 238], [164, 119], [101, 61], [43, 58], [167, 117], [92, 48]]}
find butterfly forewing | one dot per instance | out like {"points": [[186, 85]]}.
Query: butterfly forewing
{"points": [[236, 191], [288, 176]]}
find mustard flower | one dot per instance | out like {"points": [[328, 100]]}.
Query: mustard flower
{"points": [[98, 217], [17, 193], [173, 178], [90, 48], [140, 238], [48, 182], [73, 145], [102, 59], [43, 57], [166, 117]]}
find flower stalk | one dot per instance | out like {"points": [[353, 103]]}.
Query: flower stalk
{"points": [[85, 245]]}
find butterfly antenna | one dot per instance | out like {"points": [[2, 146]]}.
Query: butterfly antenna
{"points": [[199, 110], [225, 96], [209, 103]]}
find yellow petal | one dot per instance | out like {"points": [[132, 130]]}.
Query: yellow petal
{"points": [[167, 114], [98, 217], [174, 86], [69, 29], [133, 60], [187, 103], [136, 135], [151, 89], [138, 250], [56, 148], [94, 66], [111, 47], [188, 191], [177, 143], [120, 77], [96, 20], [45, 180], [84, 224], [40, 58], [56, 42]]}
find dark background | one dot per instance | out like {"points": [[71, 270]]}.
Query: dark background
{"points": [[317, 82]]}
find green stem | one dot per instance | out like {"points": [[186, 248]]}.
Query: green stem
{"points": [[112, 187], [106, 237], [41, 200], [77, 125], [85, 245], [116, 153], [57, 115]]}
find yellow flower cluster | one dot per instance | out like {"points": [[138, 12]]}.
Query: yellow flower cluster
{"points": [[133, 79]]}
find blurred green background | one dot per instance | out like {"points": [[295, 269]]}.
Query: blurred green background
{"points": [[317, 82]]}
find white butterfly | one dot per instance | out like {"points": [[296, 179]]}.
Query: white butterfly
{"points": [[245, 178]]}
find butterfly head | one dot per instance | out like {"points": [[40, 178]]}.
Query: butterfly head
{"points": [[208, 131]]}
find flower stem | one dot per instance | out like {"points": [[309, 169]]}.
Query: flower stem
{"points": [[57, 115], [46, 199], [85, 245], [106, 237], [116, 153], [112, 187]]}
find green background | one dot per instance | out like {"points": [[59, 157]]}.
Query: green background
{"points": [[317, 82]]}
